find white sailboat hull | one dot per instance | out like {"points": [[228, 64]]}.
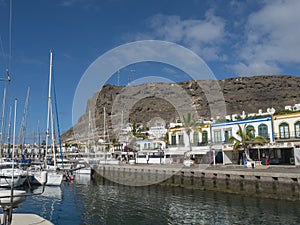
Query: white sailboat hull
{"points": [[53, 178], [85, 170], [19, 177]]}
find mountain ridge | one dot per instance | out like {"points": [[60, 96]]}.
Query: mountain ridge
{"points": [[247, 94]]}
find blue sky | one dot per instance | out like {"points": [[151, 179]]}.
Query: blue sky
{"points": [[234, 38]]}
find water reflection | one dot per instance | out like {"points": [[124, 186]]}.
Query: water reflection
{"points": [[102, 202]]}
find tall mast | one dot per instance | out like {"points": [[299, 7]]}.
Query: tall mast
{"points": [[13, 154], [23, 123], [122, 122], [2, 122], [105, 131], [57, 124], [52, 135], [9, 132], [104, 126], [49, 105], [38, 134], [89, 134]]}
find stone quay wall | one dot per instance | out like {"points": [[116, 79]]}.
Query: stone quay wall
{"points": [[276, 183]]}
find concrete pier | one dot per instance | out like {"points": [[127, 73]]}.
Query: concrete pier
{"points": [[264, 181]]}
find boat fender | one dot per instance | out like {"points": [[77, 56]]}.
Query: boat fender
{"points": [[44, 177]]}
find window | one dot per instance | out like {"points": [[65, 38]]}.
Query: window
{"points": [[146, 145], [297, 129], [263, 131], [250, 129], [195, 137], [227, 135], [217, 136], [173, 140], [204, 137], [284, 131], [180, 139]]}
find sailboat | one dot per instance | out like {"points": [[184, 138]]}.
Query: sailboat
{"points": [[10, 174], [11, 199], [104, 156], [54, 177], [83, 166]]}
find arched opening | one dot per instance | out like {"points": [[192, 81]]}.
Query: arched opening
{"points": [[263, 131]]}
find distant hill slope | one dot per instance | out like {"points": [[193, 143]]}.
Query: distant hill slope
{"points": [[240, 93]]}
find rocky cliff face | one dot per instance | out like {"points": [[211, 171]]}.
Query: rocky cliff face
{"points": [[142, 103]]}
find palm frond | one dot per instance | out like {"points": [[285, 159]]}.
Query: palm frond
{"points": [[232, 139], [236, 146], [260, 140], [247, 138]]}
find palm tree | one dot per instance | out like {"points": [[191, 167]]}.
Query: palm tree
{"points": [[245, 139], [190, 123]]}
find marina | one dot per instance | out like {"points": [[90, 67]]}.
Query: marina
{"points": [[149, 112], [100, 201], [192, 194]]}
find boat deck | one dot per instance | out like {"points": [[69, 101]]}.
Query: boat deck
{"points": [[27, 219]]}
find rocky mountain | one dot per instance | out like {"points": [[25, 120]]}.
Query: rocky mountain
{"points": [[210, 98]]}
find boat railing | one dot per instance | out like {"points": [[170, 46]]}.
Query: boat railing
{"points": [[11, 199]]}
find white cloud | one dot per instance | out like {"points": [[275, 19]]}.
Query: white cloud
{"points": [[272, 37], [169, 70], [255, 68], [203, 36]]}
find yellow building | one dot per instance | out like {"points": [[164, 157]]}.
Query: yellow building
{"points": [[177, 136], [287, 138]]}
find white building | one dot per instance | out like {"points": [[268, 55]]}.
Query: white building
{"points": [[222, 131], [179, 143], [157, 128], [149, 144]]}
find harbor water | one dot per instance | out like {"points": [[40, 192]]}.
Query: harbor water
{"points": [[100, 201]]}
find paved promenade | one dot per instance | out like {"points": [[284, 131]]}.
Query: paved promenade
{"points": [[281, 174], [261, 169], [270, 169], [274, 171]]}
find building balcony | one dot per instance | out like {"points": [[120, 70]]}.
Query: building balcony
{"points": [[192, 144], [286, 137], [176, 145], [200, 144]]}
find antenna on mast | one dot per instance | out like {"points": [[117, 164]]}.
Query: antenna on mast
{"points": [[8, 75], [118, 82], [133, 72], [128, 79]]}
